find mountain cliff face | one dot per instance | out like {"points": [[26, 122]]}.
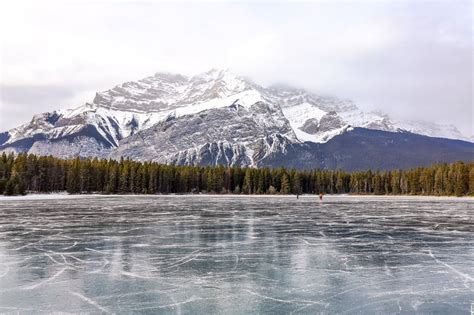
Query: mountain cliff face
{"points": [[242, 134], [211, 118]]}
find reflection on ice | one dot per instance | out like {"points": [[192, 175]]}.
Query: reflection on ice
{"points": [[236, 254]]}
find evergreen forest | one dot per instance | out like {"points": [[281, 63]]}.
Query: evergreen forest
{"points": [[28, 173]]}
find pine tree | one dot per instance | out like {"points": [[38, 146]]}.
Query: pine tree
{"points": [[297, 186], [112, 183], [3, 183], [10, 188], [73, 177], [471, 179], [248, 182], [461, 178], [285, 185]]}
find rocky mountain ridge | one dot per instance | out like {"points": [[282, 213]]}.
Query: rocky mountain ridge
{"points": [[211, 118]]}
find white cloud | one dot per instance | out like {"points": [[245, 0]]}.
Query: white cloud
{"points": [[412, 59]]}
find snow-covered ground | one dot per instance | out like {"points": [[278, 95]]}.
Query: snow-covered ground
{"points": [[331, 197]]}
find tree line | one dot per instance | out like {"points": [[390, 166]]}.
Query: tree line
{"points": [[24, 173]]}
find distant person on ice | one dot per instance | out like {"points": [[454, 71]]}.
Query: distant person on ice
{"points": [[321, 196]]}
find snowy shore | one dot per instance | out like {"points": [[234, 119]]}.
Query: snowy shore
{"points": [[326, 197]]}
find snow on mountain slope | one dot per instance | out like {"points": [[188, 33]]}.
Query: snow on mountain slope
{"points": [[111, 124], [165, 91], [432, 129], [288, 97], [299, 104], [234, 134], [312, 124]]}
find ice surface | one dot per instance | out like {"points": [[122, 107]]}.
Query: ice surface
{"points": [[236, 254]]}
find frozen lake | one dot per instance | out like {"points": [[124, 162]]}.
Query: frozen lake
{"points": [[236, 254]]}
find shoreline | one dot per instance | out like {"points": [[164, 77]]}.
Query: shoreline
{"points": [[53, 196]]}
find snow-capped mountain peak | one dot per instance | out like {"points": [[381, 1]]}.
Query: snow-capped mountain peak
{"points": [[167, 91], [223, 116]]}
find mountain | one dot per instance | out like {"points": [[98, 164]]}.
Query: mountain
{"points": [[364, 149], [220, 118]]}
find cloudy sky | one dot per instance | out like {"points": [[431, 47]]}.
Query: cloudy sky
{"points": [[410, 59]]}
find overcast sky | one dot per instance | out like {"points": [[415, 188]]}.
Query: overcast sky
{"points": [[411, 60]]}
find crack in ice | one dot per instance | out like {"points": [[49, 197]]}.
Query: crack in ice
{"points": [[34, 286], [450, 267], [91, 302]]}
